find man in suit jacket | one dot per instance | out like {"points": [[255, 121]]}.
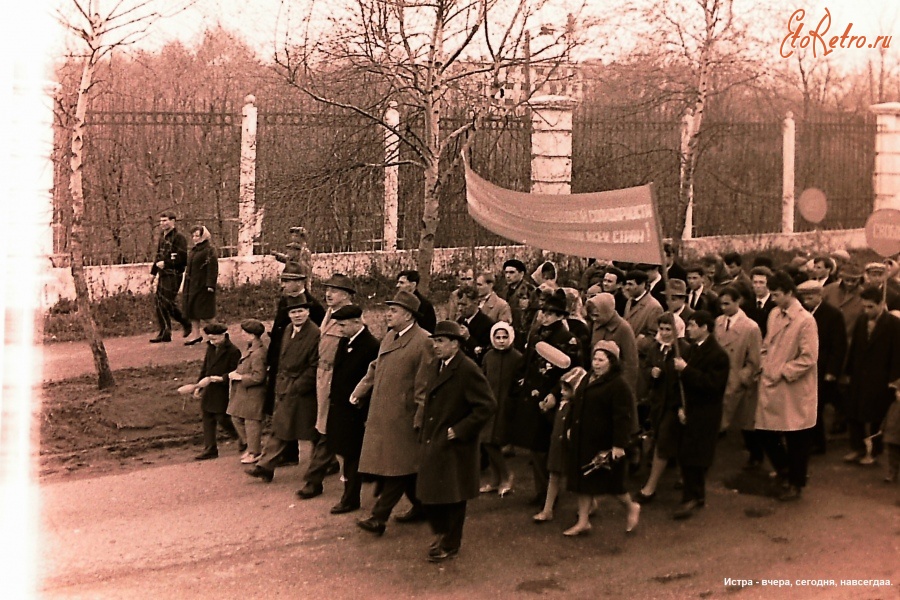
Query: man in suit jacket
{"points": [[655, 284], [519, 295], [673, 269], [788, 386], [762, 303], [699, 296], [872, 363], [222, 357], [458, 403], [476, 325], [395, 384], [832, 352], [704, 376], [676, 299], [844, 295], [346, 423], [495, 307], [613, 283], [737, 278], [741, 339], [408, 281]]}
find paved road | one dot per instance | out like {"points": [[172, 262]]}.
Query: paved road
{"points": [[206, 530]]}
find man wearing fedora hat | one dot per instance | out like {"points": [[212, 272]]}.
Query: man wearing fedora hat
{"points": [[339, 293], [293, 285], [294, 417], [533, 413], [458, 403], [395, 386], [676, 299]]}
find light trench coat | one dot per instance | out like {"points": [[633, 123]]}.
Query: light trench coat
{"points": [[788, 384]]}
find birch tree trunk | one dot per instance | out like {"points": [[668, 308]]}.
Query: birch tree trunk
{"points": [[105, 377]]}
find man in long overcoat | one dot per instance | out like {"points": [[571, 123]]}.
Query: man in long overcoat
{"points": [[346, 422], [458, 404], [832, 354], [704, 376], [872, 363], [295, 390], [788, 390], [396, 384], [339, 292], [741, 339]]}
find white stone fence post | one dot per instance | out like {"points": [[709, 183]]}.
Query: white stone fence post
{"points": [[551, 144], [887, 155]]}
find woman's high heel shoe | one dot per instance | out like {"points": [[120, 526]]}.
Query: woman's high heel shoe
{"points": [[506, 488]]}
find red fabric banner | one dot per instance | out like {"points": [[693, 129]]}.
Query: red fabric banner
{"points": [[615, 225]]}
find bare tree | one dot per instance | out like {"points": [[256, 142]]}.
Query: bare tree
{"points": [[710, 40], [99, 33], [426, 55]]}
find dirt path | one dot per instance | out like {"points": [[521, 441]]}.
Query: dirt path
{"points": [[66, 360]]}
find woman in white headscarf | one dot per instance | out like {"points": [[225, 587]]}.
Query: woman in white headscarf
{"points": [[501, 366], [200, 278]]}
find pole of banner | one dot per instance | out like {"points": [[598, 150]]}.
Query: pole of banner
{"points": [[682, 414]]}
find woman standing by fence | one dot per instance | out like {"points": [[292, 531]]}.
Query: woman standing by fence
{"points": [[200, 283]]}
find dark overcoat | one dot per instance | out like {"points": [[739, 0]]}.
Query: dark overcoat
{"points": [[459, 397], [479, 340], [220, 361], [665, 393], [531, 427], [873, 362], [832, 340], [501, 370], [599, 419], [347, 423], [295, 386], [172, 250], [281, 322], [427, 319], [201, 274], [704, 379], [248, 393]]}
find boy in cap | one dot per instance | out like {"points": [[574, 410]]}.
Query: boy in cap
{"points": [[222, 357]]}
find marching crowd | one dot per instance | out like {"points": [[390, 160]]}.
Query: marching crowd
{"points": [[633, 365]]}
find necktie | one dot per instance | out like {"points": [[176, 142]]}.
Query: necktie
{"points": [[727, 323], [759, 304], [694, 299]]}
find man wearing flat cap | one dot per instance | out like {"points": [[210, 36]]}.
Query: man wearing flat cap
{"points": [[533, 412], [458, 403], [222, 357], [294, 417], [345, 425], [876, 275], [339, 293], [395, 386], [844, 295]]}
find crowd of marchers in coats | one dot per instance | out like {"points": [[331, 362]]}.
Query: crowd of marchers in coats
{"points": [[633, 365]]}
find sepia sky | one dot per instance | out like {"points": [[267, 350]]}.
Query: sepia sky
{"points": [[264, 22]]}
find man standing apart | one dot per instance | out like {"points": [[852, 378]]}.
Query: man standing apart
{"points": [[788, 388], [458, 404], [339, 292], [397, 381], [495, 307], [171, 259]]}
